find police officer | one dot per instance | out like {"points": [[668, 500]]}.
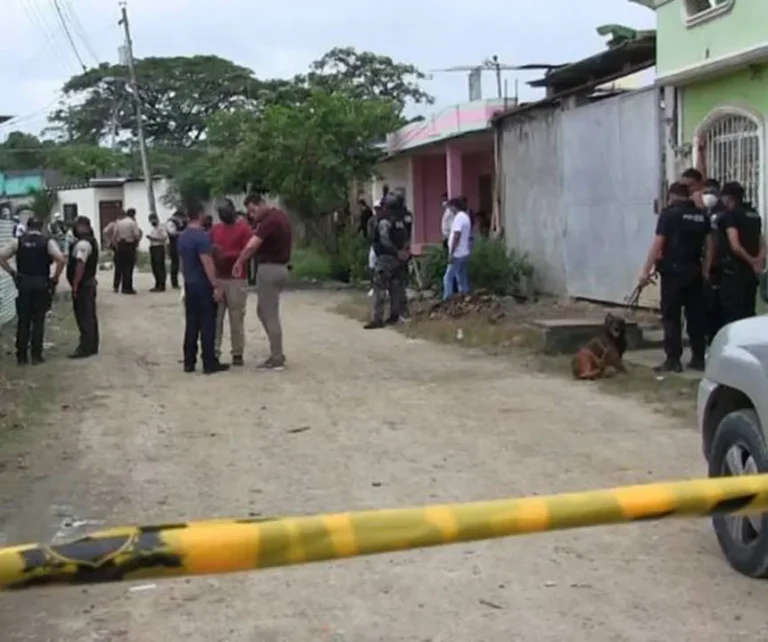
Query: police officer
{"points": [[404, 216], [390, 245], [175, 225], [742, 246], [34, 253], [678, 250], [714, 208], [81, 273]]}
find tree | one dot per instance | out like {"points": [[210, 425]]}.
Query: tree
{"points": [[365, 75], [41, 203], [22, 151], [179, 95], [83, 162], [310, 153]]}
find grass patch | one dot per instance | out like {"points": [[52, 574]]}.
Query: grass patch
{"points": [[513, 338], [311, 264], [28, 393]]}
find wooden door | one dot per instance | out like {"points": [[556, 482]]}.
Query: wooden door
{"points": [[108, 211]]}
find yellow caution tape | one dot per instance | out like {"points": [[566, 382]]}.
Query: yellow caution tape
{"points": [[228, 546]]}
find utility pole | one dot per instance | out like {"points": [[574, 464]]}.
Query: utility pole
{"points": [[139, 118]]}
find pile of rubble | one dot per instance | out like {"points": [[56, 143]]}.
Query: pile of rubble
{"points": [[476, 305]]}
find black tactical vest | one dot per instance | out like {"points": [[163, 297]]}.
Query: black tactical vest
{"points": [[683, 249], [32, 258], [91, 265]]}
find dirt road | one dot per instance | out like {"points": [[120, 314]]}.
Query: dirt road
{"points": [[391, 422]]}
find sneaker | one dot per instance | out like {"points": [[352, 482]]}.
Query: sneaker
{"points": [[374, 325], [189, 368], [238, 362], [697, 363], [669, 366], [219, 367], [393, 320], [272, 364], [77, 354]]}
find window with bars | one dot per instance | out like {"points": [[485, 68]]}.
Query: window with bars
{"points": [[701, 9], [732, 148]]}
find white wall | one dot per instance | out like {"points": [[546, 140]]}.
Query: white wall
{"points": [[397, 174], [84, 198]]}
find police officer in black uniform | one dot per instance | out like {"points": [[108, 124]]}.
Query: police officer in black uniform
{"points": [[678, 250], [713, 205], [34, 253], [742, 247], [404, 216], [176, 225], [390, 244], [82, 267]]}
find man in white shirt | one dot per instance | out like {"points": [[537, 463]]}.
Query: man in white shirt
{"points": [[447, 220], [456, 275]]}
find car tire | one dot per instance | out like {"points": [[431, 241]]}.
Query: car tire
{"points": [[743, 540]]}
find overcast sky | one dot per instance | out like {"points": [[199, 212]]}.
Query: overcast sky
{"points": [[281, 38]]}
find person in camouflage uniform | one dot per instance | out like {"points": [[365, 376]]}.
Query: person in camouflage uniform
{"points": [[390, 243]]}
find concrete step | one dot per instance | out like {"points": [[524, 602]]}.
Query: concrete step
{"points": [[566, 336]]}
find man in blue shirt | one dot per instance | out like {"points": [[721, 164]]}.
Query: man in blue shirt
{"points": [[200, 293]]}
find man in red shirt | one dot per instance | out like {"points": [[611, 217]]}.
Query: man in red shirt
{"points": [[271, 243], [229, 237]]}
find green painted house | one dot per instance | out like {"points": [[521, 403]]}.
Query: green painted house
{"points": [[712, 61]]}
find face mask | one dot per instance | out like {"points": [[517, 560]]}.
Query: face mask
{"points": [[710, 200]]}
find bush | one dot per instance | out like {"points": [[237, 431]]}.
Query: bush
{"points": [[492, 268], [352, 255], [311, 263]]}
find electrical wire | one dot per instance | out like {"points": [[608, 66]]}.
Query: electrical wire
{"points": [[74, 20], [64, 26], [38, 20]]}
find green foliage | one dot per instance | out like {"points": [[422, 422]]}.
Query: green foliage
{"points": [[21, 151], [179, 95], [310, 153], [86, 162], [311, 263], [42, 203], [351, 256], [492, 267]]}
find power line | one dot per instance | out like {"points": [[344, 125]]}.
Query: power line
{"points": [[38, 20], [64, 26], [74, 20]]}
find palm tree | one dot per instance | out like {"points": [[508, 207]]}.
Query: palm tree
{"points": [[41, 203]]}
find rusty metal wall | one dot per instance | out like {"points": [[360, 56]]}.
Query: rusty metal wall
{"points": [[612, 174]]}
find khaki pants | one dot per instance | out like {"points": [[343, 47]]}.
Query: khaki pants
{"points": [[270, 281], [235, 301]]}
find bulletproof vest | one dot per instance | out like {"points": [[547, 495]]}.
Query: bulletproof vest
{"points": [[32, 258], [91, 265], [688, 229], [398, 235]]}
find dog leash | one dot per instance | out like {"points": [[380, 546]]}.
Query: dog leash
{"points": [[633, 300]]}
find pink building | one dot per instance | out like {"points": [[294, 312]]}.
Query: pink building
{"points": [[452, 152]]}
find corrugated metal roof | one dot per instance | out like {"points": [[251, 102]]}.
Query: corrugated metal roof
{"points": [[7, 288]]}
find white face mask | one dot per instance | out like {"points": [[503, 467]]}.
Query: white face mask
{"points": [[709, 200]]}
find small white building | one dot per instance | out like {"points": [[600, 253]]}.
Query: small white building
{"points": [[103, 199]]}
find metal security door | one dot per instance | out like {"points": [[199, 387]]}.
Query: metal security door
{"points": [[611, 180]]}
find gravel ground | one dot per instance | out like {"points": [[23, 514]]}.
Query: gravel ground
{"points": [[386, 422]]}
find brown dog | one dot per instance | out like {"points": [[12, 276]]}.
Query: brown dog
{"points": [[602, 356]]}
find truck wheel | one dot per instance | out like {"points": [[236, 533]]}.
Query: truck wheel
{"points": [[739, 448]]}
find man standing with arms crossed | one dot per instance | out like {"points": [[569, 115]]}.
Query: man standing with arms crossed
{"points": [[229, 238], [271, 244]]}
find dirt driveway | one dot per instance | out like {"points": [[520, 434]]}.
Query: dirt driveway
{"points": [[391, 422]]}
